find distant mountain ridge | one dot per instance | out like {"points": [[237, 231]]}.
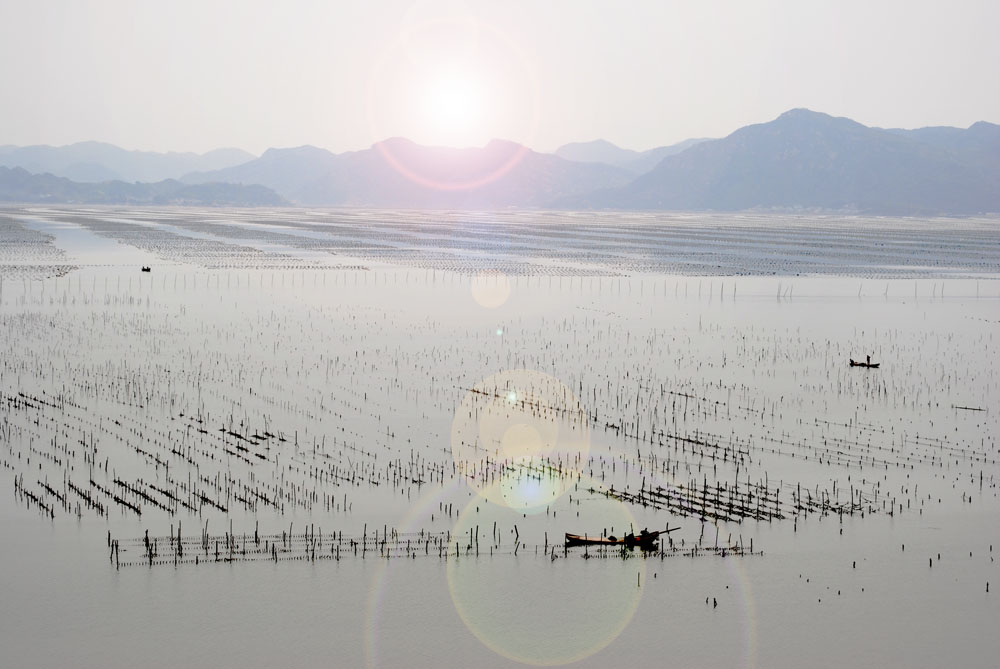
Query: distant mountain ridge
{"points": [[597, 151], [97, 161], [400, 173], [18, 185], [801, 161], [813, 161], [290, 172], [980, 138], [637, 162]]}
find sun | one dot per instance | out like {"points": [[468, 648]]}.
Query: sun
{"points": [[454, 105], [457, 83]]}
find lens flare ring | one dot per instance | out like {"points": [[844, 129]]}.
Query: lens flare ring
{"points": [[525, 430], [520, 627], [490, 289]]}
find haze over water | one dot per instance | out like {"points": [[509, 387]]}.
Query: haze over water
{"points": [[372, 429]]}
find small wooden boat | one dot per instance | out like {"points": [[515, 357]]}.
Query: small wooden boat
{"points": [[869, 365], [643, 539], [147, 269]]}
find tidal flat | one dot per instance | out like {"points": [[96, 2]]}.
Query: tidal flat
{"points": [[359, 437]]}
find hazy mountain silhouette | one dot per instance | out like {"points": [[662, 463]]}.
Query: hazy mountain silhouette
{"points": [[401, 173], [647, 160], [802, 160], [979, 141], [18, 185], [597, 151], [603, 151], [294, 173], [809, 160], [97, 161]]}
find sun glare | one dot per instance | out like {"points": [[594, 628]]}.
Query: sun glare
{"points": [[452, 81], [454, 105]]}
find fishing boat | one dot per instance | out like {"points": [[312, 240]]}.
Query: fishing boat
{"points": [[643, 539], [869, 365]]}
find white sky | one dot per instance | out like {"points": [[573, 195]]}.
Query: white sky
{"points": [[192, 76]]}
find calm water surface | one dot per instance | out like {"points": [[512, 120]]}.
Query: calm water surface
{"points": [[454, 407]]}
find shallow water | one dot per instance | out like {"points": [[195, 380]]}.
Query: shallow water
{"points": [[424, 376]]}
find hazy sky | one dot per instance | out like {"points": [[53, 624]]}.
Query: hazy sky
{"points": [[198, 75]]}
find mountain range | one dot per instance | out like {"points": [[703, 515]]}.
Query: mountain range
{"points": [[400, 173], [636, 162], [96, 161], [801, 161], [806, 160], [19, 185]]}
